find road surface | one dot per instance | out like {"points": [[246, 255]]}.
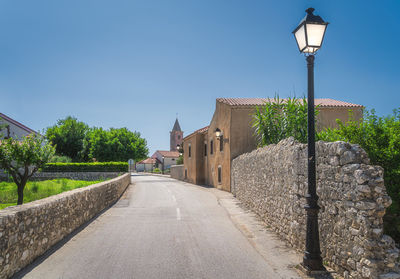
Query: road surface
{"points": [[161, 228]]}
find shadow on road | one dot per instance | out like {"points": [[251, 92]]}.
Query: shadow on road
{"points": [[20, 274]]}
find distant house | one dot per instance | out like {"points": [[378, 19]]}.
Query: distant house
{"points": [[11, 128], [165, 159], [207, 159], [147, 165]]}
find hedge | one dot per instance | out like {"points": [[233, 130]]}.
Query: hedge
{"points": [[86, 167]]}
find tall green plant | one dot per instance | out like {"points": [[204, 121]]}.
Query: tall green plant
{"points": [[279, 119], [380, 138]]}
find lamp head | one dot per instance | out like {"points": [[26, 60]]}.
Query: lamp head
{"points": [[310, 32]]}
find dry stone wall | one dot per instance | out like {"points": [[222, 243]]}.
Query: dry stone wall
{"points": [[272, 181], [29, 230]]}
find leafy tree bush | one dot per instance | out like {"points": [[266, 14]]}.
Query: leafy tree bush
{"points": [[77, 141], [114, 145], [279, 119], [180, 160], [22, 158], [60, 159], [380, 138], [86, 167], [67, 136], [156, 170]]}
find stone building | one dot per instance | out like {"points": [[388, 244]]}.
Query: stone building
{"points": [[147, 165], [207, 158], [176, 136], [164, 159], [12, 128]]}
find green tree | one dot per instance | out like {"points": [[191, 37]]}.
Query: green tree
{"points": [[114, 145], [279, 119], [22, 158], [380, 138], [67, 136]]}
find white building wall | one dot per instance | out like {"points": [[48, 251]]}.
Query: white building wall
{"points": [[15, 131]]}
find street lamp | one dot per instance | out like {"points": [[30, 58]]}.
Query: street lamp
{"points": [[218, 133], [163, 164], [309, 36], [179, 148]]}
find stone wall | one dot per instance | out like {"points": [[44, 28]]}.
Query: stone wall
{"points": [[29, 230], [88, 176], [178, 172], [272, 181]]}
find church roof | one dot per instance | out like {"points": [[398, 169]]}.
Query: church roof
{"points": [[177, 127]]}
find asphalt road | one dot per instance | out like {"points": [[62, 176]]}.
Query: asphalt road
{"points": [[160, 228]]}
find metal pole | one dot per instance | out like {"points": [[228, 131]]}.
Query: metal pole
{"points": [[163, 165], [312, 259]]}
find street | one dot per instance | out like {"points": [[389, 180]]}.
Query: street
{"points": [[164, 228]]}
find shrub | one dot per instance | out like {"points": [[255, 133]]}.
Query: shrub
{"points": [[180, 160], [156, 170], [380, 138], [279, 119], [60, 159], [86, 167]]}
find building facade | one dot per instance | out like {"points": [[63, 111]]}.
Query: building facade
{"points": [[165, 159], [176, 136], [207, 158], [11, 128], [147, 165]]}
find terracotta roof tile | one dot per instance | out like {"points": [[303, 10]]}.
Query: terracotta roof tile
{"points": [[261, 101], [169, 154], [148, 161], [199, 131]]}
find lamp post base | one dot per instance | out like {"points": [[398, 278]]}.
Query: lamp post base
{"points": [[313, 272]]}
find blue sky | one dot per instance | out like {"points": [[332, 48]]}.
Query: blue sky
{"points": [[136, 64]]}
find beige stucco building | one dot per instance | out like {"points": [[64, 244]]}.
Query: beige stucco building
{"points": [[207, 159]]}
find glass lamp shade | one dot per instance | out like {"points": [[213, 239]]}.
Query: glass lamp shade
{"points": [[218, 133], [310, 33]]}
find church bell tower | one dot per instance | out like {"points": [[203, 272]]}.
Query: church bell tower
{"points": [[176, 136]]}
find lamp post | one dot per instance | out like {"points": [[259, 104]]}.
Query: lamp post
{"points": [[179, 148], [163, 164], [309, 35]]}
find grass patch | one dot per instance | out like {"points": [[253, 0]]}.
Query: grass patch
{"points": [[36, 190]]}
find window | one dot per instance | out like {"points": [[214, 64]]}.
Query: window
{"points": [[179, 137], [185, 173], [190, 151], [173, 159], [219, 174], [221, 143], [205, 149], [211, 147]]}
